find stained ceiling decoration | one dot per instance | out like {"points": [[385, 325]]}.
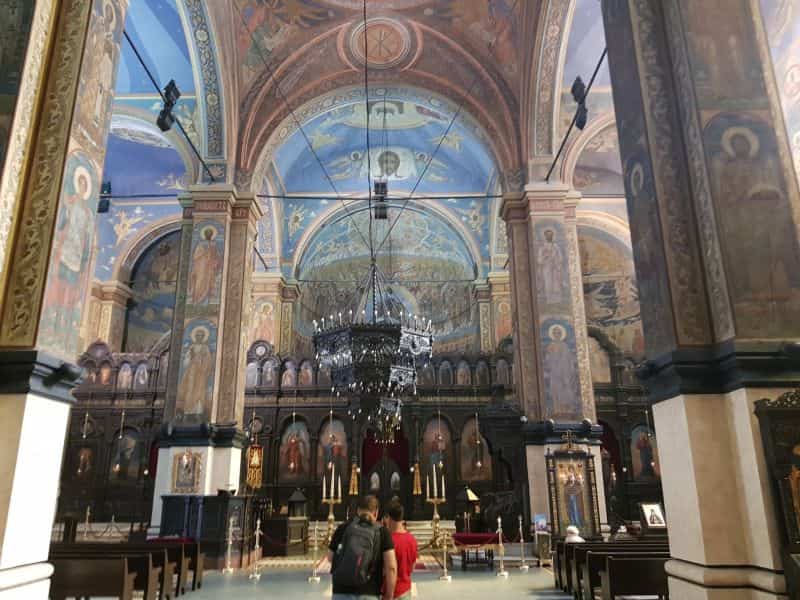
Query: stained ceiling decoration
{"points": [[406, 127], [292, 51]]}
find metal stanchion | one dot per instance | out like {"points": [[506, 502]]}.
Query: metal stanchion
{"points": [[86, 523], [522, 566], [501, 549], [228, 568], [256, 572], [314, 578], [445, 576]]}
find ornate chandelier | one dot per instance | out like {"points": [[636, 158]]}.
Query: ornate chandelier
{"points": [[373, 359]]}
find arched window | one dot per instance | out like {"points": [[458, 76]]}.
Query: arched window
{"points": [[445, 373], [503, 372], [482, 374], [251, 375], [289, 375], [153, 282], [463, 374]]}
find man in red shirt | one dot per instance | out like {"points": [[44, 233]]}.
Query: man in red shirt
{"points": [[405, 549]]}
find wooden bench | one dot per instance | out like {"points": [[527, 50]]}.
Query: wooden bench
{"points": [[633, 577], [595, 562], [154, 571], [579, 551], [79, 578], [567, 572], [182, 557]]}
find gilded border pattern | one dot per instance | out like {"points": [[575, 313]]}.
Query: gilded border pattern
{"points": [[205, 54], [29, 260], [722, 317], [22, 126], [671, 185], [546, 84]]}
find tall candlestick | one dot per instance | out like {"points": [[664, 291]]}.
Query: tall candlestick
{"points": [[427, 487], [333, 476], [323, 486], [339, 488], [443, 494], [435, 494]]}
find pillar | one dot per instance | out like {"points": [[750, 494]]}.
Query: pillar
{"points": [[551, 361], [266, 317], [48, 196], [500, 286], [713, 208], [290, 296], [114, 298], [208, 353], [483, 297]]}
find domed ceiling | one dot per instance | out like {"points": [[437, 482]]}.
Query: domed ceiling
{"points": [[406, 134]]}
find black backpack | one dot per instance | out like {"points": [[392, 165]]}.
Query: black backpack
{"points": [[356, 554]]}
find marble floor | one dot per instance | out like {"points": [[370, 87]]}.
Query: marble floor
{"points": [[536, 584]]}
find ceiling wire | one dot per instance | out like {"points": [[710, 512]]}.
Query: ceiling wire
{"points": [[298, 124], [366, 113], [164, 100], [446, 132]]}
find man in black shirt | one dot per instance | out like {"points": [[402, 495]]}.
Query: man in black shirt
{"points": [[383, 567]]}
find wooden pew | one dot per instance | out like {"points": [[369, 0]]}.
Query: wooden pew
{"points": [[78, 577], [577, 557], [567, 570], [633, 577], [595, 562], [182, 557], [153, 572]]}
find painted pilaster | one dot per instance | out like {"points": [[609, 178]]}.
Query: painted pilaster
{"points": [[290, 295], [527, 380], [483, 297], [245, 215], [266, 311], [500, 286], [114, 300], [48, 194], [205, 394], [714, 212]]}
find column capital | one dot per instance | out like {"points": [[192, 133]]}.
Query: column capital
{"points": [[483, 292], [544, 198], [247, 206], [514, 207], [115, 291], [290, 291]]}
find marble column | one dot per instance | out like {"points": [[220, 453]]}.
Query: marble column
{"points": [[551, 361], [714, 211], [205, 386], [48, 195]]}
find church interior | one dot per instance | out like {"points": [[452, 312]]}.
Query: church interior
{"points": [[523, 266]]}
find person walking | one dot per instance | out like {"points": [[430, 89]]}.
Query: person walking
{"points": [[362, 556], [405, 550]]}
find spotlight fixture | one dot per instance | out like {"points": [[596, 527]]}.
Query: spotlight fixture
{"points": [[105, 197], [171, 94], [578, 91], [380, 210]]}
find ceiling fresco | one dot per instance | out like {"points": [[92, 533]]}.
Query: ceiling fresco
{"points": [[404, 136], [156, 28], [598, 171], [490, 28], [428, 264]]}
